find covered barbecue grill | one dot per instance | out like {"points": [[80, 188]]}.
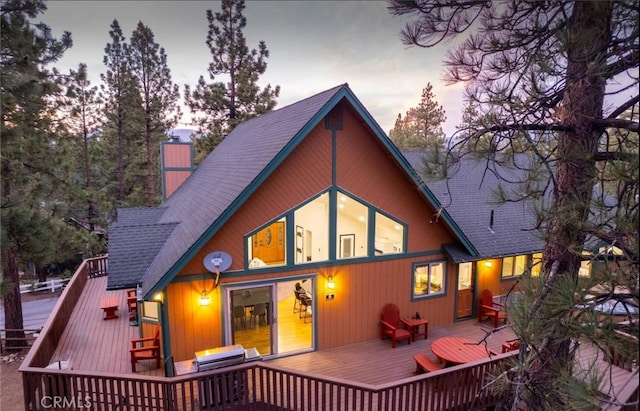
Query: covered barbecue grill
{"points": [[213, 358]]}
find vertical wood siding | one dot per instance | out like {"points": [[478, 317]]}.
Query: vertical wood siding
{"points": [[364, 169]]}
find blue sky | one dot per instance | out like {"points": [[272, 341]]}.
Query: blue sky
{"points": [[313, 46]]}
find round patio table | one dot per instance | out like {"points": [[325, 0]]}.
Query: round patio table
{"points": [[456, 350]]}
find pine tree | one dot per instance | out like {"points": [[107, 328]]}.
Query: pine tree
{"points": [[225, 105], [83, 119], [29, 169], [421, 128], [540, 71], [159, 96], [122, 133]]}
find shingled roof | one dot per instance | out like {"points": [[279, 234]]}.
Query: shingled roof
{"points": [[224, 180], [469, 197], [134, 241]]}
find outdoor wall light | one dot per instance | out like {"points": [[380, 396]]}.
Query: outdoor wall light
{"points": [[330, 283], [158, 297], [488, 263], [205, 300]]}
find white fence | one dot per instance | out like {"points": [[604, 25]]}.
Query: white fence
{"points": [[52, 285]]}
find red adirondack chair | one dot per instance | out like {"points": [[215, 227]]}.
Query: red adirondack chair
{"points": [[491, 309], [391, 325]]}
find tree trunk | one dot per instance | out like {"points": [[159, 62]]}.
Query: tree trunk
{"points": [[588, 34], [150, 186], [11, 278], [12, 301], [91, 210]]}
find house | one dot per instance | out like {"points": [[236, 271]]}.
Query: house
{"points": [[313, 194]]}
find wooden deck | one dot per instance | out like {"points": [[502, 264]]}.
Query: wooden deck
{"points": [[375, 362], [97, 352], [90, 343]]}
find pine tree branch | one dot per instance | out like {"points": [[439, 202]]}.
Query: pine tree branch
{"points": [[615, 155], [623, 64], [629, 125], [521, 127], [624, 107]]}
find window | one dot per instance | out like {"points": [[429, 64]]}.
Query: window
{"points": [[513, 266], [428, 279], [585, 269], [150, 310], [389, 235], [352, 228], [536, 264], [585, 265], [267, 246], [304, 234], [312, 230]]}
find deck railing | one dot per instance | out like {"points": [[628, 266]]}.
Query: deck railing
{"points": [[260, 386], [44, 347], [250, 386]]}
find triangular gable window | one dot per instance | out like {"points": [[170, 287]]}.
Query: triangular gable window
{"points": [[306, 235]]}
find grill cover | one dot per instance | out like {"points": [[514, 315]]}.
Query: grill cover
{"points": [[219, 357]]}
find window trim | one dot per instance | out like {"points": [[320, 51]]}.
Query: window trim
{"points": [[429, 263], [513, 274], [333, 254]]}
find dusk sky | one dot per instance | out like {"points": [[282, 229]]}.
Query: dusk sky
{"points": [[313, 46]]}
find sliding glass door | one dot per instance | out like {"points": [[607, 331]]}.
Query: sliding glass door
{"points": [[270, 317]]}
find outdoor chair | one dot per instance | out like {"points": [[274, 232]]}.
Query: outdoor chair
{"points": [[510, 346], [132, 305], [491, 309], [390, 325], [148, 349]]}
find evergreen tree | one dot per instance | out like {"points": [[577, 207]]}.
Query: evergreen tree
{"points": [[122, 133], [540, 72], [159, 96], [30, 173], [225, 105], [421, 128], [83, 119]]}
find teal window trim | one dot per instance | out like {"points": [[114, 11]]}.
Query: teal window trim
{"points": [[290, 224], [442, 293]]}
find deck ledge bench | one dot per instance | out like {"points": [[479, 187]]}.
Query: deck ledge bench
{"points": [[424, 364]]}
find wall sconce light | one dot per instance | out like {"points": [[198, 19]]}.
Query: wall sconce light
{"points": [[488, 263], [204, 299], [158, 297], [330, 283]]}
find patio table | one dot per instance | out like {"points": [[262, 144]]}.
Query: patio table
{"points": [[109, 305], [456, 350], [414, 327]]}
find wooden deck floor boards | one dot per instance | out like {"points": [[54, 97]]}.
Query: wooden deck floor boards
{"points": [[90, 344]]}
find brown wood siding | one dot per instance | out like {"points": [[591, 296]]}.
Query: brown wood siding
{"points": [[304, 173], [365, 169], [489, 278], [192, 326], [361, 288]]}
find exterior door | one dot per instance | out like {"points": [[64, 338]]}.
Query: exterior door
{"points": [[269, 318], [464, 307], [251, 312]]}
